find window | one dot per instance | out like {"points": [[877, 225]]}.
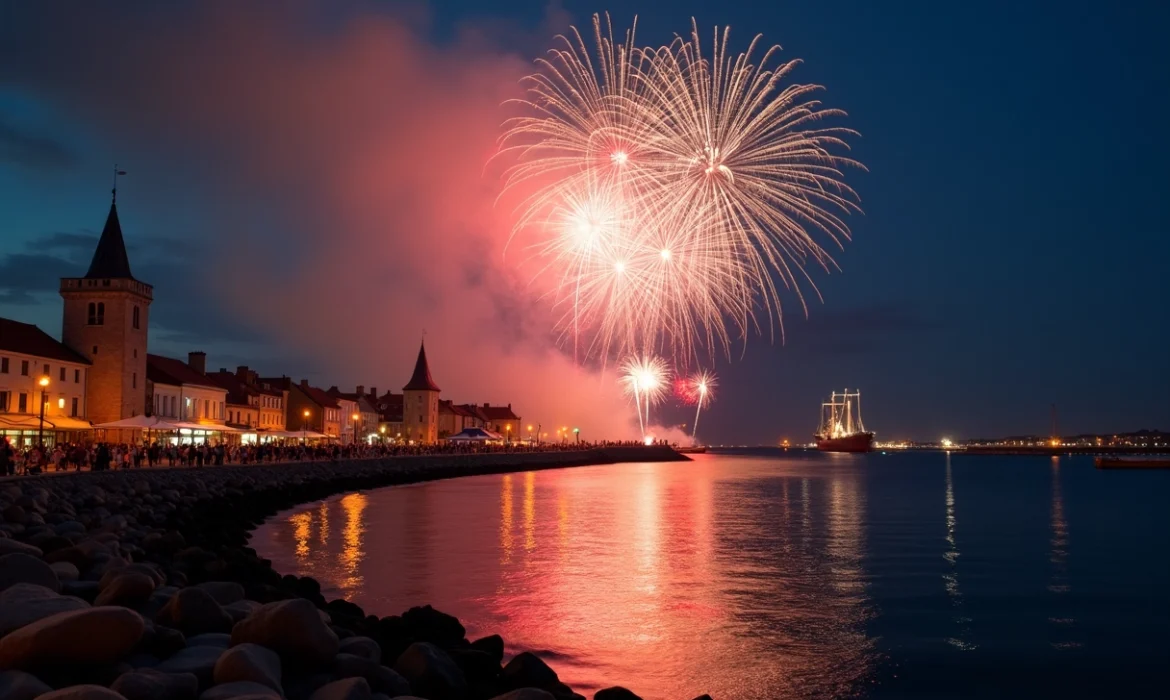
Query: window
{"points": [[94, 350], [4, 397], [101, 313], [136, 326], [73, 410], [134, 381], [24, 368], [91, 316], [76, 376], [62, 374], [22, 404], [3, 365], [46, 372], [135, 353]]}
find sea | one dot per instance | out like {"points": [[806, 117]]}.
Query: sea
{"points": [[756, 574]]}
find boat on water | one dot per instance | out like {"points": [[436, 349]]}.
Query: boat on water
{"points": [[1132, 462], [692, 450], [841, 429]]}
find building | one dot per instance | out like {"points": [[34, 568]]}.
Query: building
{"points": [[453, 418], [309, 408], [28, 358], [105, 319], [243, 401], [360, 404], [473, 416], [349, 420], [501, 419], [389, 407], [273, 399], [420, 403], [182, 391]]}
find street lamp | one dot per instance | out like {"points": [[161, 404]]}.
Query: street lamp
{"points": [[44, 382], [577, 435], [529, 433], [508, 429], [356, 417], [383, 431], [305, 428]]}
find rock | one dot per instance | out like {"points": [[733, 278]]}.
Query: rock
{"points": [[492, 645], [249, 662], [149, 570], [19, 567], [87, 636], [431, 673], [224, 592], [380, 678], [293, 629], [128, 589], [211, 639], [429, 625], [65, 571], [361, 646], [704, 696], [86, 590], [82, 692], [239, 691], [162, 642], [526, 694], [345, 689], [197, 660], [615, 693], [149, 684], [8, 546], [527, 670], [26, 603], [477, 666], [241, 609], [14, 514], [18, 685], [193, 611]]}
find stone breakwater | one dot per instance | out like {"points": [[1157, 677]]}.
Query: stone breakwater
{"points": [[140, 585]]}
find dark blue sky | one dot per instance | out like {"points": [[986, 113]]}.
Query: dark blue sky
{"points": [[1013, 252]]}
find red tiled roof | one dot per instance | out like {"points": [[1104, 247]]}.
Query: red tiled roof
{"points": [[27, 339], [238, 392], [474, 411], [167, 370], [499, 412], [321, 398], [421, 379], [389, 406]]}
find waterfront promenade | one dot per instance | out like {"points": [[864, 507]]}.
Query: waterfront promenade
{"points": [[140, 584]]}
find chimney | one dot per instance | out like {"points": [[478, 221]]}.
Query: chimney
{"points": [[197, 361], [305, 383], [242, 373], [361, 390], [486, 404], [509, 407], [374, 391], [223, 370]]}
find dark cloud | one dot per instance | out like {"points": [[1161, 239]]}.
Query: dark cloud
{"points": [[30, 150]]}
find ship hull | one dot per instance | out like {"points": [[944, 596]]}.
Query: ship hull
{"points": [[858, 442]]}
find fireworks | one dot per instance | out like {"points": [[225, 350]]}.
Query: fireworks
{"points": [[646, 379], [700, 390], [673, 193]]}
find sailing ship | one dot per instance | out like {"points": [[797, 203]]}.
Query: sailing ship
{"points": [[841, 429]]}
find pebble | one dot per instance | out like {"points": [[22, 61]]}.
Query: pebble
{"points": [[239, 689], [291, 628], [19, 567], [26, 603], [18, 685], [249, 662], [345, 689], [149, 684], [87, 636], [82, 692], [193, 611], [431, 673]]}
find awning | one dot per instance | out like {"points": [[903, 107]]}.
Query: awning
{"points": [[18, 421], [52, 423], [67, 423], [138, 423], [206, 427]]}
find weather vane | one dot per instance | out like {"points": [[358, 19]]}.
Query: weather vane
{"points": [[117, 172]]}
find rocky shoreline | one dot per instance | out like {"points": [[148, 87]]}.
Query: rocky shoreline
{"points": [[140, 585]]}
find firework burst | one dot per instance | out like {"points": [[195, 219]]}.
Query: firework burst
{"points": [[674, 192], [646, 379]]}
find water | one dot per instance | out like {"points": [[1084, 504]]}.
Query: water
{"points": [[778, 576]]}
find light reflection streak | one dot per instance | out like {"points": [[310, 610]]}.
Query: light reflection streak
{"points": [[302, 524], [323, 523], [506, 519], [530, 511], [1058, 583], [951, 577], [351, 557]]}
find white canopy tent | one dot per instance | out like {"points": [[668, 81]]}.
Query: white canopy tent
{"points": [[139, 423], [475, 435]]}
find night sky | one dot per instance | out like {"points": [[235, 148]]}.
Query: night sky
{"points": [[307, 193]]}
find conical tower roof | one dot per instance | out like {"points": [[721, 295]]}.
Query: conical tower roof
{"points": [[110, 260], [421, 379]]}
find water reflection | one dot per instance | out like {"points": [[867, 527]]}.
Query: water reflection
{"points": [[962, 640], [678, 580], [1058, 584]]}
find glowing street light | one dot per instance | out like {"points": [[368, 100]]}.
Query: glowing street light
{"points": [[44, 382], [357, 417], [305, 428]]}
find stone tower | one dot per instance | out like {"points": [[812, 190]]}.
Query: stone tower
{"points": [[420, 403], [106, 316]]}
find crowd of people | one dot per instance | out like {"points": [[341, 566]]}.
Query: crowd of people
{"points": [[102, 456]]}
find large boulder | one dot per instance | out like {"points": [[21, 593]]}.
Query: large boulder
{"points": [[526, 694], [616, 693], [65, 571], [199, 661], [238, 691], [128, 589], [193, 611], [429, 625], [25, 603], [82, 692], [19, 567], [10, 546], [249, 662], [361, 646], [431, 673], [293, 629], [149, 684], [527, 670], [345, 689], [493, 645], [88, 636], [18, 685], [224, 592], [211, 639], [381, 679]]}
